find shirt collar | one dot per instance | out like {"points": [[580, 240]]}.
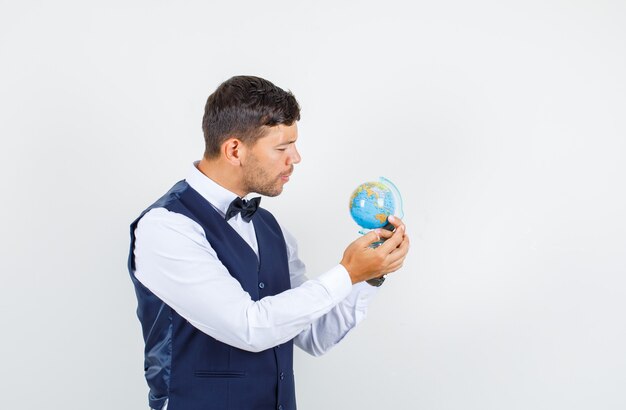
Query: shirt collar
{"points": [[215, 194]]}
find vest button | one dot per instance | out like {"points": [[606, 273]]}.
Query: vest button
{"points": [[280, 407], [282, 376], [261, 285]]}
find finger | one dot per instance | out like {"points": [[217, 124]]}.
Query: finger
{"points": [[395, 221], [400, 252], [367, 239], [392, 268], [393, 242], [385, 234], [404, 245], [396, 257]]}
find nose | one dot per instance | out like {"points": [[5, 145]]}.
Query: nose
{"points": [[294, 158]]}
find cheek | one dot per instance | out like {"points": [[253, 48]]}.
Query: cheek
{"points": [[277, 160]]}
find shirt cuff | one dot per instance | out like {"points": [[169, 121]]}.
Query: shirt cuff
{"points": [[337, 283], [366, 293]]}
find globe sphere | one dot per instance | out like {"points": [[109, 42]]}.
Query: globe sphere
{"points": [[371, 203]]}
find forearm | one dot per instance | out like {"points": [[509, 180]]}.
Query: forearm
{"points": [[259, 325], [325, 332], [180, 267], [174, 260]]}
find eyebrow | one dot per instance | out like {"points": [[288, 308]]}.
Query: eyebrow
{"points": [[286, 143]]}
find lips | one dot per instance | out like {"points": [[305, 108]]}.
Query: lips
{"points": [[285, 177]]}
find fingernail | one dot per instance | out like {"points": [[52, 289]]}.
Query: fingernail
{"points": [[392, 218]]}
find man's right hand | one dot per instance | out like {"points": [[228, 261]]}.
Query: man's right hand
{"points": [[363, 262]]}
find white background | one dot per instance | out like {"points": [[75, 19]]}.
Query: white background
{"points": [[501, 122]]}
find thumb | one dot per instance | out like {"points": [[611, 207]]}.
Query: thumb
{"points": [[367, 239]]}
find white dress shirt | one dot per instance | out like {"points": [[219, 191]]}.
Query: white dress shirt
{"points": [[176, 262]]}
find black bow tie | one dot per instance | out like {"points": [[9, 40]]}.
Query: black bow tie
{"points": [[247, 208]]}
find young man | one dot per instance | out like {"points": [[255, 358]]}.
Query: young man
{"points": [[222, 295]]}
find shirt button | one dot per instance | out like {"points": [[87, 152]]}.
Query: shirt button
{"points": [[261, 285]]}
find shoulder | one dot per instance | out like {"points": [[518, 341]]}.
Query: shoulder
{"points": [[161, 223], [172, 195]]}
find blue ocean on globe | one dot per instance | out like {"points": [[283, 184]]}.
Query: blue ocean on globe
{"points": [[371, 204]]}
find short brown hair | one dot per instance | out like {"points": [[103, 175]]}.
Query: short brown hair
{"points": [[242, 107]]}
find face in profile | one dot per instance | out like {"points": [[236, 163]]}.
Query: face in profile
{"points": [[270, 161]]}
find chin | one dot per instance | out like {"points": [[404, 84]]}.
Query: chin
{"points": [[274, 192]]}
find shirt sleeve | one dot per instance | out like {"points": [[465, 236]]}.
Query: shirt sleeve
{"points": [[176, 262], [330, 328]]}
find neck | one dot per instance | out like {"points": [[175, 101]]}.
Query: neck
{"points": [[223, 175]]}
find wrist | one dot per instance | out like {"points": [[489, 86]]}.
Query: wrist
{"points": [[355, 277]]}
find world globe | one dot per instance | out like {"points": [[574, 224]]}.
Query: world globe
{"points": [[371, 203]]}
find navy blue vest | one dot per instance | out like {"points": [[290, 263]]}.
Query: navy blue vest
{"points": [[193, 370]]}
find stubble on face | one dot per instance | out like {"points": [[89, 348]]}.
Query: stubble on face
{"points": [[257, 179]]}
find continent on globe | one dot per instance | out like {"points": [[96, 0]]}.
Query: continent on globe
{"points": [[371, 204]]}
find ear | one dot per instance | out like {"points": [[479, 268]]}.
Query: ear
{"points": [[233, 150]]}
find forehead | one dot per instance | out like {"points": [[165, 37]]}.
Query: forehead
{"points": [[280, 134]]}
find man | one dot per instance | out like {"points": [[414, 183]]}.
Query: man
{"points": [[222, 295]]}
